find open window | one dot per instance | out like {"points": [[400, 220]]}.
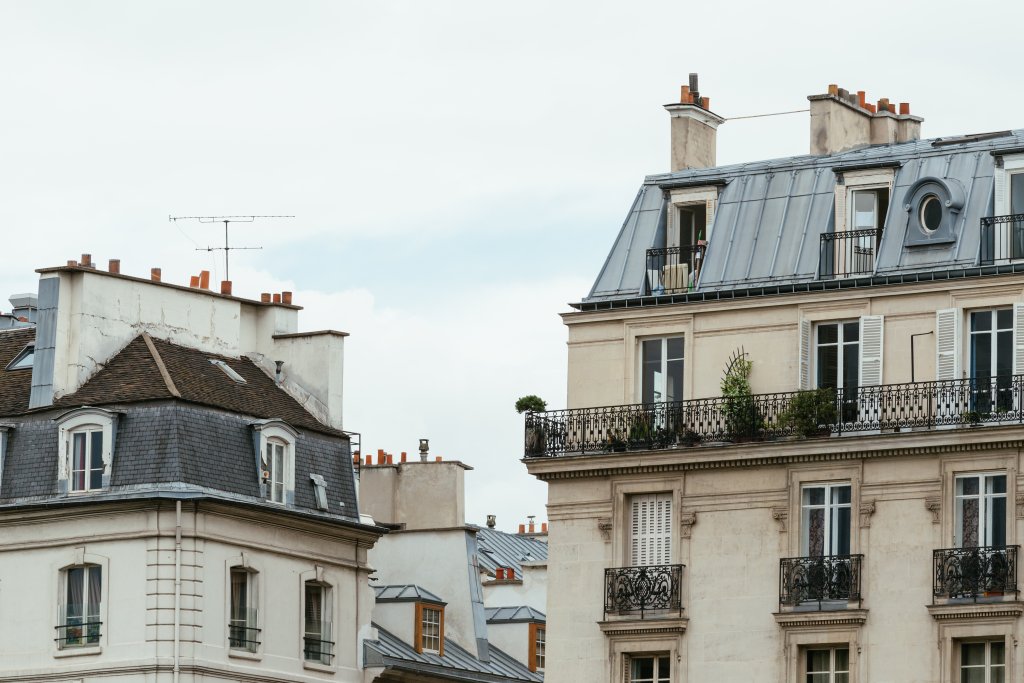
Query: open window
{"points": [[661, 369], [275, 460], [86, 442], [538, 640]]}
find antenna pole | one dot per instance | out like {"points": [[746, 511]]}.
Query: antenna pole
{"points": [[227, 250], [226, 220]]}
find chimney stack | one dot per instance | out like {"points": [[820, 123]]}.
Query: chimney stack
{"points": [[842, 120], [694, 129]]}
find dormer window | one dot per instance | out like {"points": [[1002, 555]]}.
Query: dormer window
{"points": [[86, 450], [86, 458], [275, 461], [931, 213], [430, 628]]}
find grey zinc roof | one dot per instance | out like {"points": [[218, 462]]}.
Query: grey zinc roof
{"points": [[772, 213], [406, 593], [499, 549], [456, 664], [509, 615]]}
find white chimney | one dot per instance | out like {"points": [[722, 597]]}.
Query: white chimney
{"points": [[694, 129]]}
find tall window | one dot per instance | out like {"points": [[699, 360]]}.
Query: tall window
{"points": [[243, 633], [429, 629], [825, 520], [317, 644], [538, 638], [980, 510], [991, 360], [830, 665], [80, 614], [650, 669], [86, 459], [983, 662], [650, 529], [661, 371], [275, 472], [837, 362]]}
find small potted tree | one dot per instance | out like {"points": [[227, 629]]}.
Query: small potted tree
{"points": [[811, 413], [536, 441]]}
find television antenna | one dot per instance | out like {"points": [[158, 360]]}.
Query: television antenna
{"points": [[226, 220]]}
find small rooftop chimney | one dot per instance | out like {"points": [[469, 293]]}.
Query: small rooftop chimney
{"points": [[842, 120], [24, 306], [694, 129], [424, 449], [492, 521]]}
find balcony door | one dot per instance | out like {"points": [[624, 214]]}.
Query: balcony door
{"points": [[980, 511], [650, 529], [991, 361], [825, 520], [661, 370], [837, 363]]}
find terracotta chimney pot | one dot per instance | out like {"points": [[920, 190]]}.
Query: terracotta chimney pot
{"points": [[286, 298], [265, 297], [522, 528], [114, 266], [277, 298], [225, 287], [204, 279], [154, 274], [87, 260], [72, 262], [194, 282]]}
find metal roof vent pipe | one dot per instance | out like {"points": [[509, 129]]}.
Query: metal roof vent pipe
{"points": [[492, 521], [424, 449], [694, 129], [278, 374]]}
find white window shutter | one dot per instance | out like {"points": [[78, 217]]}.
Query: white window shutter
{"points": [[947, 344], [651, 530], [1002, 197], [871, 350], [1018, 339], [804, 380], [841, 208], [709, 217]]}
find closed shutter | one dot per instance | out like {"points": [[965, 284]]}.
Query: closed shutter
{"points": [[709, 217], [1018, 339], [870, 350], [651, 529], [947, 344], [841, 209], [804, 380], [1000, 177]]}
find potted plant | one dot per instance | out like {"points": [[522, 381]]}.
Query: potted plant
{"points": [[536, 440], [971, 417], [742, 416], [810, 412], [641, 433]]}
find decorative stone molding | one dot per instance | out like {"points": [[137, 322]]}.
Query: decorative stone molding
{"points": [[604, 525], [818, 620], [637, 627], [934, 505], [1020, 506], [867, 508], [977, 610], [781, 515], [687, 520]]}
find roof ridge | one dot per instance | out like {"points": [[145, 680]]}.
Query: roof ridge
{"points": [[168, 380]]}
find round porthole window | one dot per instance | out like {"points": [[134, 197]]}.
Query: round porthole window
{"points": [[931, 213]]}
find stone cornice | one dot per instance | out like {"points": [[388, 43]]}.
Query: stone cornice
{"points": [[976, 610], [816, 620], [637, 627]]}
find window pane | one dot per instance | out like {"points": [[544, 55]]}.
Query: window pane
{"points": [[815, 532], [841, 532], [969, 523], [650, 371], [996, 484], [642, 668], [828, 334], [75, 579], [842, 659], [972, 675], [1004, 318], [314, 607], [841, 495], [997, 522], [239, 590], [814, 495], [864, 210], [828, 367], [818, 660], [972, 654], [96, 448], [675, 348], [981, 321], [851, 332], [674, 388], [967, 486], [663, 668], [851, 368], [998, 652], [1004, 353]]}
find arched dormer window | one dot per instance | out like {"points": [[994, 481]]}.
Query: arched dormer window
{"points": [[274, 442], [86, 442]]}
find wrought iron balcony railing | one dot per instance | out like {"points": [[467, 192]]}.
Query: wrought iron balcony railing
{"points": [[758, 417], [829, 578], [986, 571], [848, 253], [1002, 239], [674, 270], [642, 590]]}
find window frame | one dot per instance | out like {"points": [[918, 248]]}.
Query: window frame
{"points": [[985, 517], [71, 560], [272, 433], [251, 608], [801, 476], [840, 345], [805, 674], [421, 608], [656, 657], [664, 361], [537, 642], [88, 616], [987, 666], [830, 509], [88, 420], [325, 631]]}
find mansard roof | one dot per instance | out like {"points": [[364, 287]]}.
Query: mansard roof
{"points": [[500, 549]]}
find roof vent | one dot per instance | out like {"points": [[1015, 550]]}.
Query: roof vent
{"points": [[228, 370]]}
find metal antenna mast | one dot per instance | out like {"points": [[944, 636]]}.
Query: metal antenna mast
{"points": [[227, 248]]}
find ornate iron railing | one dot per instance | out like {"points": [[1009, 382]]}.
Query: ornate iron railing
{"points": [[758, 417], [673, 270], [819, 579], [974, 572], [639, 590], [1002, 239], [847, 253]]}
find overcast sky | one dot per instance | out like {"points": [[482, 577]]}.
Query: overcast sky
{"points": [[458, 170]]}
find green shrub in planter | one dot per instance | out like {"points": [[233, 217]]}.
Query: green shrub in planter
{"points": [[810, 412]]}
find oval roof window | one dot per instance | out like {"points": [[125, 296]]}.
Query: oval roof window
{"points": [[931, 213]]}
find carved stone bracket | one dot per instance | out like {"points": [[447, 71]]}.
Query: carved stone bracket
{"points": [[781, 515], [1020, 506], [867, 508], [604, 525], [687, 520], [934, 505]]}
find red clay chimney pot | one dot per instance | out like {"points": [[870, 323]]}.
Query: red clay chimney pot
{"points": [[522, 528], [277, 298], [154, 274], [194, 281], [86, 260], [904, 108], [225, 287], [204, 279], [265, 297], [72, 262], [286, 298], [114, 266]]}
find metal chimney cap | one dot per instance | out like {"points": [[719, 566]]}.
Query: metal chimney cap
{"points": [[28, 300], [492, 521]]}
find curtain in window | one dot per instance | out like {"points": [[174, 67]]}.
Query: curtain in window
{"points": [[314, 608], [75, 583], [78, 465]]}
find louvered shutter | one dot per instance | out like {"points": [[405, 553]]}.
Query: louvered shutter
{"points": [[1018, 339], [999, 180], [947, 344], [651, 530], [870, 350], [840, 225], [804, 380], [709, 217]]}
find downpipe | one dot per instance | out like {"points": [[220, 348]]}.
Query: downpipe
{"points": [[177, 590]]}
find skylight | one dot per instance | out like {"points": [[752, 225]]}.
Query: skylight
{"points": [[228, 370], [23, 360]]}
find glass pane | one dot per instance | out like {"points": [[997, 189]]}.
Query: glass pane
{"points": [[239, 601], [842, 678], [75, 579], [851, 332], [996, 522], [96, 448], [663, 668], [981, 356], [828, 367], [814, 495], [841, 495], [818, 678], [828, 334], [650, 371], [95, 590], [674, 381], [818, 660], [841, 532], [864, 210], [969, 523], [998, 652], [842, 659], [675, 348], [996, 484], [815, 539], [981, 321], [998, 675], [972, 675], [1004, 319], [972, 654], [851, 367], [1017, 193], [967, 486], [642, 668]]}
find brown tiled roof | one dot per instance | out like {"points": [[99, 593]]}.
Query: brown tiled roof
{"points": [[15, 385], [134, 374]]}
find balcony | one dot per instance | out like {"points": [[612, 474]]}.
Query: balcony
{"points": [[816, 581], [975, 573], [674, 270], [1002, 239], [643, 590], [767, 417], [848, 253]]}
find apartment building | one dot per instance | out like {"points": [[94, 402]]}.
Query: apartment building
{"points": [[792, 444], [177, 500]]}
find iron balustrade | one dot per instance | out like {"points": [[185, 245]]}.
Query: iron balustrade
{"points": [[1002, 239], [78, 633], [632, 590], [674, 269], [819, 579], [760, 417], [849, 252], [984, 571]]}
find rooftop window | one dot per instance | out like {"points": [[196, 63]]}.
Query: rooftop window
{"points": [[228, 370], [23, 361]]}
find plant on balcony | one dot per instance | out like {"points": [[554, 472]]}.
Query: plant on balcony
{"points": [[536, 439], [641, 432], [532, 403], [810, 412], [742, 418], [971, 417]]}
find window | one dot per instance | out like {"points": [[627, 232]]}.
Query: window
{"points": [[243, 631], [317, 643], [830, 665], [991, 360], [87, 459], [661, 370], [429, 628], [931, 213], [980, 510], [86, 450], [650, 529], [869, 208], [825, 520], [274, 470], [275, 461], [837, 362], [538, 637], [23, 361], [983, 662], [80, 612], [650, 669], [228, 370]]}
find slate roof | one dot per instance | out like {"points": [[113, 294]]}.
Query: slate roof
{"points": [[771, 214], [514, 615], [406, 593], [500, 549], [14, 384], [457, 664]]}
